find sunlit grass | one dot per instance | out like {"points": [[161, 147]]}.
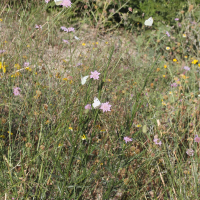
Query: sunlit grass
{"points": [[97, 117]]}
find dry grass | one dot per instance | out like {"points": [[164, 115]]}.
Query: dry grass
{"points": [[44, 154]]}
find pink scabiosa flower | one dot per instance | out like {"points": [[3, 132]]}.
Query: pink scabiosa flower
{"points": [[26, 64], [157, 140], [47, 1], [167, 33], [105, 107], [2, 51], [95, 75], [190, 152], [38, 26], [174, 85], [176, 19], [66, 41], [196, 138], [88, 107], [128, 139], [64, 28], [66, 3], [16, 91], [71, 29], [186, 68]]}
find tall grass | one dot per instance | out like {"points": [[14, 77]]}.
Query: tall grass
{"points": [[52, 147]]}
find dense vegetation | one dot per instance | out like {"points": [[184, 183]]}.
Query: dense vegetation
{"points": [[96, 105]]}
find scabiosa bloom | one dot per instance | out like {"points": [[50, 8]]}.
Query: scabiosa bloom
{"points": [[16, 91], [2, 51], [176, 19], [167, 33], [196, 138], [38, 26], [186, 68], [66, 41], [105, 107], [190, 152], [26, 64], [66, 3], [95, 75], [157, 140], [128, 139], [64, 28], [71, 29], [174, 85], [78, 64], [88, 107]]}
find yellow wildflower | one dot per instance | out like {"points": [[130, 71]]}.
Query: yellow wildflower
{"points": [[83, 137], [28, 69], [138, 125], [9, 132], [194, 61], [167, 48], [165, 66], [174, 60]]}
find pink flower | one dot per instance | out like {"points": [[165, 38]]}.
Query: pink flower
{"points": [[174, 85], [190, 152], [38, 26], [47, 1], [130, 9], [2, 51], [64, 28], [176, 19], [88, 107], [66, 41], [66, 3], [26, 64], [95, 75], [16, 91], [71, 29], [196, 138], [128, 139], [186, 68], [167, 33], [105, 107], [156, 140]]}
